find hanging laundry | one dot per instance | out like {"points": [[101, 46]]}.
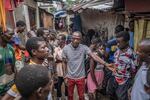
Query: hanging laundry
{"points": [[2, 15], [8, 5]]}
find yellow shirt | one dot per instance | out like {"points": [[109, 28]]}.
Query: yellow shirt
{"points": [[13, 90]]}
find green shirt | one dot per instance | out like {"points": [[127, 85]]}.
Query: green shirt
{"points": [[6, 56]]}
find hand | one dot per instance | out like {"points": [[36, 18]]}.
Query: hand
{"points": [[45, 63], [111, 67]]}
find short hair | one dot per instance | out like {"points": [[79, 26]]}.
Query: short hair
{"points": [[32, 43], [30, 78], [78, 33], [119, 28], [20, 23], [63, 36], [125, 35], [40, 31]]}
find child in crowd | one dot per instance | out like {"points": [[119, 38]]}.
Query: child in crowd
{"points": [[96, 74]]}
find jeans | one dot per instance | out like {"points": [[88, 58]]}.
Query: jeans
{"points": [[80, 83], [58, 87]]}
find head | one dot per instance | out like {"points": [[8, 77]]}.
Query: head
{"points": [[52, 35], [144, 50], [44, 33], [94, 44], [61, 39], [102, 46], [131, 25], [76, 39], [123, 40], [37, 48], [7, 35], [20, 25], [32, 81], [91, 33], [118, 29], [31, 34]]}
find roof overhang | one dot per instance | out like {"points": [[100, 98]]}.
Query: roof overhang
{"points": [[95, 4]]}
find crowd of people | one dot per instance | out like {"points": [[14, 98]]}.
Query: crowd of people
{"points": [[36, 64]]}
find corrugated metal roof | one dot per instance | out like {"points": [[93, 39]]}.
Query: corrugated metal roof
{"points": [[95, 4]]}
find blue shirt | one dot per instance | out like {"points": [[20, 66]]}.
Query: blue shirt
{"points": [[131, 42]]}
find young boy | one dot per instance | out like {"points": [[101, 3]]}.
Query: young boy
{"points": [[141, 87], [58, 60]]}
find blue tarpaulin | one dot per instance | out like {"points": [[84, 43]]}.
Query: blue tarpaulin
{"points": [[60, 13]]}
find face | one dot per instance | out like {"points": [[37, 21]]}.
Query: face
{"points": [[45, 91], [60, 40], [7, 36], [42, 52], [52, 37], [76, 39], [46, 35], [31, 34], [21, 29], [102, 49], [131, 26], [121, 43]]}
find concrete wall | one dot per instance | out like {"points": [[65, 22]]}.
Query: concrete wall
{"points": [[94, 19]]}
